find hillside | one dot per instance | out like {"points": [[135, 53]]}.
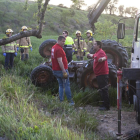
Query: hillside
{"points": [[57, 19]]}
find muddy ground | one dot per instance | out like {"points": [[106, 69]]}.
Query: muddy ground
{"points": [[108, 121]]}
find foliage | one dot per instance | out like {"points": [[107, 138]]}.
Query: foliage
{"points": [[78, 4], [104, 30]]}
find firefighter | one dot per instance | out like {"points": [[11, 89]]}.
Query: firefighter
{"points": [[90, 40], [69, 44], [24, 45], [9, 51], [80, 46]]}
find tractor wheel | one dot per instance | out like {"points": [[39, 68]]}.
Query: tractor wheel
{"points": [[87, 78], [45, 48], [41, 76], [116, 54]]}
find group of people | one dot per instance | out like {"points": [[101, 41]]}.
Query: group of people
{"points": [[61, 56], [10, 50], [78, 45]]}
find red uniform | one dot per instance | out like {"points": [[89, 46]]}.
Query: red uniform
{"points": [[57, 52], [100, 68]]}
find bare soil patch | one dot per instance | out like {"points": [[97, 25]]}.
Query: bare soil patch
{"points": [[108, 121]]}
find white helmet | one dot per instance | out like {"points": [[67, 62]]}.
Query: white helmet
{"points": [[89, 31], [24, 28], [78, 32], [8, 31]]}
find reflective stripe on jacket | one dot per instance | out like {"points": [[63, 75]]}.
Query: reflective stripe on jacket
{"points": [[25, 42], [90, 41], [80, 44], [68, 43], [9, 48]]}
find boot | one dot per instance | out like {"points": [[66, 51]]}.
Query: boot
{"points": [[22, 57], [81, 58], [26, 56]]}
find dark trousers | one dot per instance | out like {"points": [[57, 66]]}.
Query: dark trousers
{"points": [[68, 55], [9, 58], [102, 81]]}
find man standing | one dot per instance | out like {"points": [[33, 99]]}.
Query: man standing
{"points": [[90, 40], [24, 44], [9, 51], [69, 44], [101, 70], [80, 46], [60, 69]]}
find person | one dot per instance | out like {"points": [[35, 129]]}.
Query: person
{"points": [[90, 40], [60, 69], [80, 46], [9, 51], [101, 70], [24, 44], [69, 44]]}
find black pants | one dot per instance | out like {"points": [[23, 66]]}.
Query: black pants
{"points": [[102, 81], [68, 55], [9, 58]]}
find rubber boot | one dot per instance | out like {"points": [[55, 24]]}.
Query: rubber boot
{"points": [[22, 57], [26, 56]]}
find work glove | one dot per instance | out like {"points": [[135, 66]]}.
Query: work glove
{"points": [[15, 53], [4, 54], [65, 75], [31, 49], [17, 48]]}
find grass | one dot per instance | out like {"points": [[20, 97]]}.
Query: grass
{"points": [[29, 112]]}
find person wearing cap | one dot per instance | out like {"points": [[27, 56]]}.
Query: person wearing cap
{"points": [[80, 46], [9, 51], [90, 41], [24, 45], [68, 46]]}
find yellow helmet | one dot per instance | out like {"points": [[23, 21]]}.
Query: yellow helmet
{"points": [[89, 31], [78, 32], [8, 31], [24, 28]]}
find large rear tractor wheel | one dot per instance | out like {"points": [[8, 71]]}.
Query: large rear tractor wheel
{"points": [[86, 76], [45, 48], [116, 54], [42, 75]]}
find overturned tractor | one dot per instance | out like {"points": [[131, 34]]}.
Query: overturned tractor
{"points": [[81, 71]]}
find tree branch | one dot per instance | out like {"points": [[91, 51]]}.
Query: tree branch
{"points": [[42, 16]]}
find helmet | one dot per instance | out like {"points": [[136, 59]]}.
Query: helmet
{"points": [[24, 28], [78, 32], [8, 31], [89, 31]]}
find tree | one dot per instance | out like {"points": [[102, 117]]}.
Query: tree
{"points": [[111, 6], [35, 32], [104, 30], [133, 11], [127, 11], [121, 10], [78, 4]]}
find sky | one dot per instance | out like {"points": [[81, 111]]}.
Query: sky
{"points": [[126, 3]]}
